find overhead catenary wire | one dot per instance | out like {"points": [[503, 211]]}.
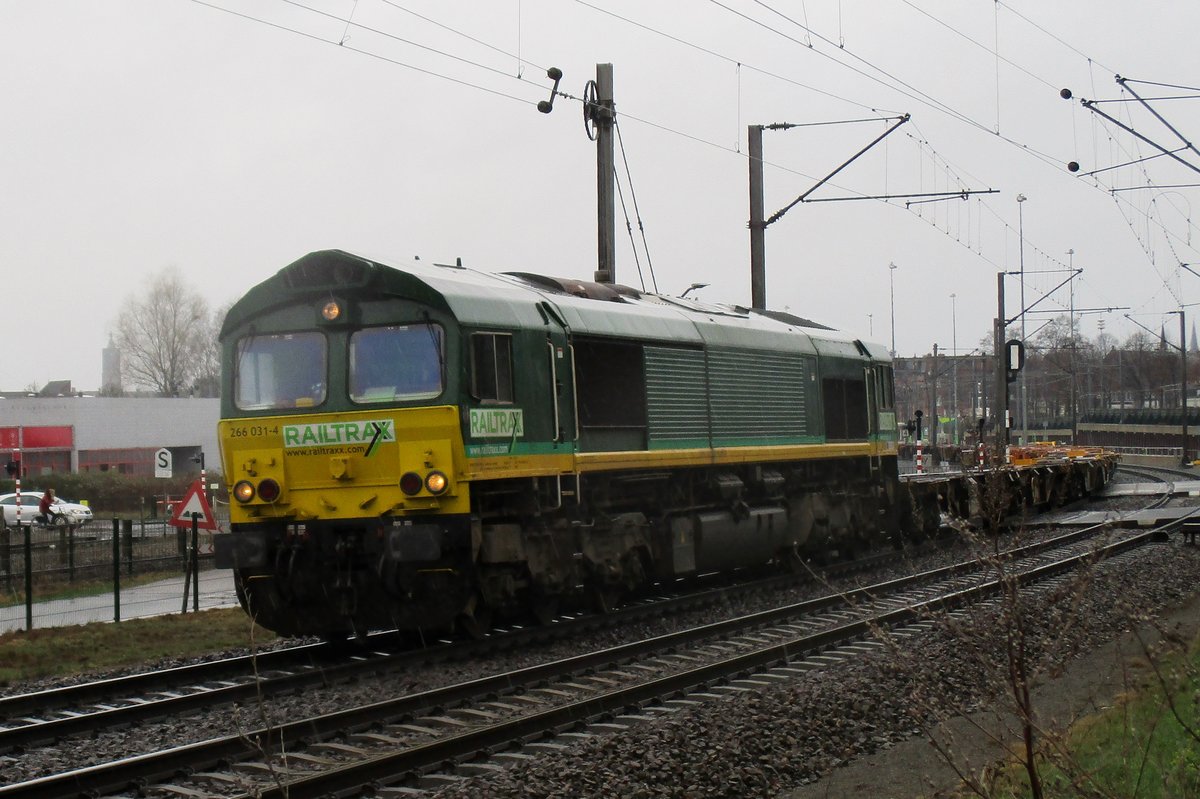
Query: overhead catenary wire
{"points": [[897, 84], [636, 210], [666, 128], [629, 229], [730, 59], [350, 23], [713, 53], [520, 60], [1055, 37], [995, 51], [368, 53]]}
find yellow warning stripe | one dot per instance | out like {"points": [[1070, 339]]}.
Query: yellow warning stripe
{"points": [[491, 468]]}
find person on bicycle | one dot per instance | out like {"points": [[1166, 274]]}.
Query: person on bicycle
{"points": [[46, 506]]}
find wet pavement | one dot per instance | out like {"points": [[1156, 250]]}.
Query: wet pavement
{"points": [[153, 599]]}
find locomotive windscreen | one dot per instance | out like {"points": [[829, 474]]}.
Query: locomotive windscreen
{"points": [[400, 362], [280, 371]]}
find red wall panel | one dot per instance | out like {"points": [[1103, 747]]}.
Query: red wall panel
{"points": [[39, 437]]}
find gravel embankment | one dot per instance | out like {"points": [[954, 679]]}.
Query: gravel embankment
{"points": [[770, 741], [747, 746]]}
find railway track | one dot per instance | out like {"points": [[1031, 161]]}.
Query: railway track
{"points": [[28, 720], [398, 740], [1160, 473]]}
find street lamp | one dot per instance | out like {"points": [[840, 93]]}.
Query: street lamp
{"points": [[1021, 235], [892, 282]]}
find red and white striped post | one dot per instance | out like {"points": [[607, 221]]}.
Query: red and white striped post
{"points": [[920, 458]]}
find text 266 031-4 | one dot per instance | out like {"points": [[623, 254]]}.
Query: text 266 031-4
{"points": [[250, 431]]}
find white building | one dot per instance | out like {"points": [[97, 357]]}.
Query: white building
{"points": [[81, 434]]}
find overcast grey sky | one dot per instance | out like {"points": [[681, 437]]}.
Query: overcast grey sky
{"points": [[142, 134]]}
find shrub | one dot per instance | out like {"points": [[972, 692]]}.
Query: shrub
{"points": [[111, 492]]}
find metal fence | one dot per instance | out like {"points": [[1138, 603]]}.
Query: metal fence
{"points": [[1157, 452], [107, 570]]}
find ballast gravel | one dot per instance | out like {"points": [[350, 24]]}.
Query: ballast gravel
{"points": [[766, 742], [756, 743]]}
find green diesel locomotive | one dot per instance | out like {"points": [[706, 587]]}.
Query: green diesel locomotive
{"points": [[417, 446]]}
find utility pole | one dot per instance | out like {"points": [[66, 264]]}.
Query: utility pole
{"points": [[1074, 379], [758, 226], [1183, 385], [954, 359], [892, 286], [1001, 401], [933, 407], [603, 113], [1024, 396]]}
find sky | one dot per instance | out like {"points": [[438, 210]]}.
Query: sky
{"points": [[228, 138]]}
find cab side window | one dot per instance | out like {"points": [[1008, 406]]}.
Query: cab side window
{"points": [[491, 367]]}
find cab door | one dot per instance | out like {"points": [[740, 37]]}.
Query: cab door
{"points": [[560, 362], [563, 488]]}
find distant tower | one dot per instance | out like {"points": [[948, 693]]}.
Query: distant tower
{"points": [[110, 371], [1192, 346]]}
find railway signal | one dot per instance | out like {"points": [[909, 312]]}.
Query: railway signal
{"points": [[1014, 357]]}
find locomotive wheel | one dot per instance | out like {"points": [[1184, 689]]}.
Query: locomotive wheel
{"points": [[545, 610], [793, 562], [604, 599], [476, 618]]}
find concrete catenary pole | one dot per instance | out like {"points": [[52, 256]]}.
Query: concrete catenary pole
{"points": [[1001, 401], [606, 219], [758, 227]]}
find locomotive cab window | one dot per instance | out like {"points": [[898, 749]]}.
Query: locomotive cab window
{"points": [[280, 371], [401, 362], [887, 398], [491, 367]]}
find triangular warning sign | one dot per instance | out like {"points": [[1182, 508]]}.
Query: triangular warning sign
{"points": [[194, 503]]}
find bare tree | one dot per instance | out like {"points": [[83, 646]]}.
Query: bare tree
{"points": [[163, 335], [208, 370]]}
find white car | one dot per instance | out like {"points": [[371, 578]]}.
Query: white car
{"points": [[66, 513]]}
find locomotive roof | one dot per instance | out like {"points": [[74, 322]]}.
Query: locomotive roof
{"points": [[483, 299]]}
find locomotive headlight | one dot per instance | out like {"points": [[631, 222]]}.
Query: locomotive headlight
{"points": [[410, 483], [243, 491], [436, 482], [268, 490], [330, 311]]}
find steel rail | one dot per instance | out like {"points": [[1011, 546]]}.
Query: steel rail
{"points": [[34, 718], [398, 766], [165, 764]]}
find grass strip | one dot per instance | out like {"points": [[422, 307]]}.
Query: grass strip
{"points": [[60, 651], [1146, 746]]}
